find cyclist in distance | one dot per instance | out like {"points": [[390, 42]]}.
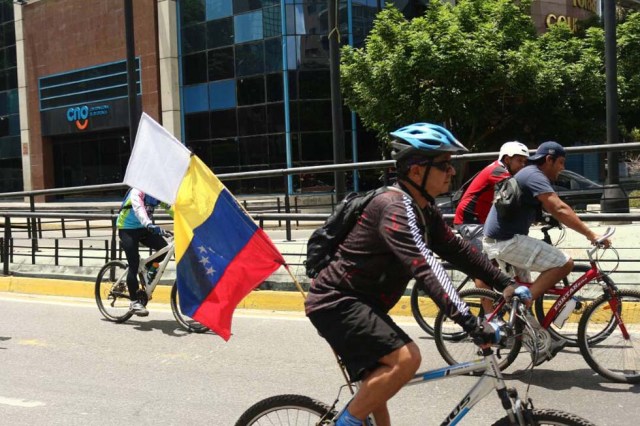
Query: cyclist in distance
{"points": [[507, 240], [135, 226], [475, 203], [392, 242]]}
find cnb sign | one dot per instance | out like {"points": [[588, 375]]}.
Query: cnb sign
{"points": [[80, 114]]}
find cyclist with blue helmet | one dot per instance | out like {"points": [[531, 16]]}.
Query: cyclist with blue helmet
{"points": [[393, 241], [135, 226]]}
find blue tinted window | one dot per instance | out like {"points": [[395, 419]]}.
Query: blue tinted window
{"points": [[222, 94], [249, 59], [195, 98], [271, 21], [219, 9], [248, 27]]}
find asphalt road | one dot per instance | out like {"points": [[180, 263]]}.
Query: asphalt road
{"points": [[61, 364]]}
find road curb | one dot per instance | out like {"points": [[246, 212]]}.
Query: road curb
{"points": [[258, 299]]}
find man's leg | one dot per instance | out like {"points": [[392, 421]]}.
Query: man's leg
{"points": [[129, 243], [549, 278], [384, 382]]}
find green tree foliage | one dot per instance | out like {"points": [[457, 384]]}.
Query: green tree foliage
{"points": [[480, 68], [628, 35]]}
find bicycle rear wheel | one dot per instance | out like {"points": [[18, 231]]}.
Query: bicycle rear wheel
{"points": [[287, 410], [461, 348], [616, 354], [424, 310], [186, 322], [540, 417], [111, 292], [585, 296]]}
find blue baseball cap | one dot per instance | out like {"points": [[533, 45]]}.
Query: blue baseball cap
{"points": [[548, 148]]}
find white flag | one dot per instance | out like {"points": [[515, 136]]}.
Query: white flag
{"points": [[158, 161]]}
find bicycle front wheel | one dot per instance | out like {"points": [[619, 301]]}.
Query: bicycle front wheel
{"points": [[461, 348], [287, 410], [186, 322], [615, 355], [112, 293], [424, 310], [540, 417]]}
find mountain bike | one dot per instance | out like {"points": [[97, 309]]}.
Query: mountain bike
{"points": [[608, 331], [112, 293], [425, 311], [302, 410]]}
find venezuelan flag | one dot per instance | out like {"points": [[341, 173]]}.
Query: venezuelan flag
{"points": [[221, 254]]}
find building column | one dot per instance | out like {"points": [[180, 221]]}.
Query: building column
{"points": [[22, 99], [168, 62]]}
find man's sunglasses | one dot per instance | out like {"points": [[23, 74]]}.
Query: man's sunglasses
{"points": [[444, 166]]}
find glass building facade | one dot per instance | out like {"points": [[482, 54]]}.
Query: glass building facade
{"points": [[10, 153], [236, 56]]}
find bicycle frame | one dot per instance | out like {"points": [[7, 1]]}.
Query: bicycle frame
{"points": [[593, 274], [491, 379], [169, 250]]}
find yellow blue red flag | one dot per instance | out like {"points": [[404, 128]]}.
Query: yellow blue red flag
{"points": [[221, 254]]}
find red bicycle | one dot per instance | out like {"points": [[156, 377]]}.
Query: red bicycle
{"points": [[608, 331]]}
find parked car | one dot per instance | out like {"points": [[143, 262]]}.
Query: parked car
{"points": [[573, 188]]}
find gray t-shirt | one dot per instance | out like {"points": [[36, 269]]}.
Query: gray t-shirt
{"points": [[533, 183]]}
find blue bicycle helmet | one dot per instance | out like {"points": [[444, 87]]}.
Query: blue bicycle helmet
{"points": [[424, 139]]}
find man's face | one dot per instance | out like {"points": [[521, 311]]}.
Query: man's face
{"points": [[552, 167], [440, 172], [515, 163]]}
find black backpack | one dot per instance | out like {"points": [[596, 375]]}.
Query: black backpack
{"points": [[507, 198], [324, 241]]}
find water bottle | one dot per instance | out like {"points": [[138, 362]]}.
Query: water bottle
{"points": [[565, 312], [151, 273]]}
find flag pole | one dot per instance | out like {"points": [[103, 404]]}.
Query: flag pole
{"points": [[340, 364]]}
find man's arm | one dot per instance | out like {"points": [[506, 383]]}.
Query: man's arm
{"points": [[564, 214]]}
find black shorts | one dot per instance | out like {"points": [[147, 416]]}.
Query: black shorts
{"points": [[360, 334]]}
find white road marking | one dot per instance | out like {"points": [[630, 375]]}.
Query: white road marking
{"points": [[15, 402]]}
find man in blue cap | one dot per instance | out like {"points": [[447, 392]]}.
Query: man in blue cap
{"points": [[507, 240]]}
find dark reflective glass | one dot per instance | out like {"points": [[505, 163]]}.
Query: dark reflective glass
{"points": [[315, 115], [223, 123], [254, 152], [196, 126], [225, 155], [271, 24], [277, 151], [294, 116], [194, 39], [220, 63], [317, 147], [275, 118], [274, 87], [252, 121], [315, 84], [240, 6], [251, 90], [194, 68], [220, 33], [314, 52], [293, 85], [250, 58], [192, 11], [273, 54]]}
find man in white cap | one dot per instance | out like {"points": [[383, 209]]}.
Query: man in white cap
{"points": [[475, 203]]}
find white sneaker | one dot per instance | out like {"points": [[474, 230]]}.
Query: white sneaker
{"points": [[138, 309]]}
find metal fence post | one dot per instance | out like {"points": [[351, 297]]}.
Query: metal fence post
{"points": [[32, 223], [5, 245]]}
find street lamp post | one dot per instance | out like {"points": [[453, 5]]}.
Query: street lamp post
{"points": [[131, 71], [336, 100], [614, 199]]}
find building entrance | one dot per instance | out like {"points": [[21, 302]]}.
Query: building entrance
{"points": [[90, 159]]}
